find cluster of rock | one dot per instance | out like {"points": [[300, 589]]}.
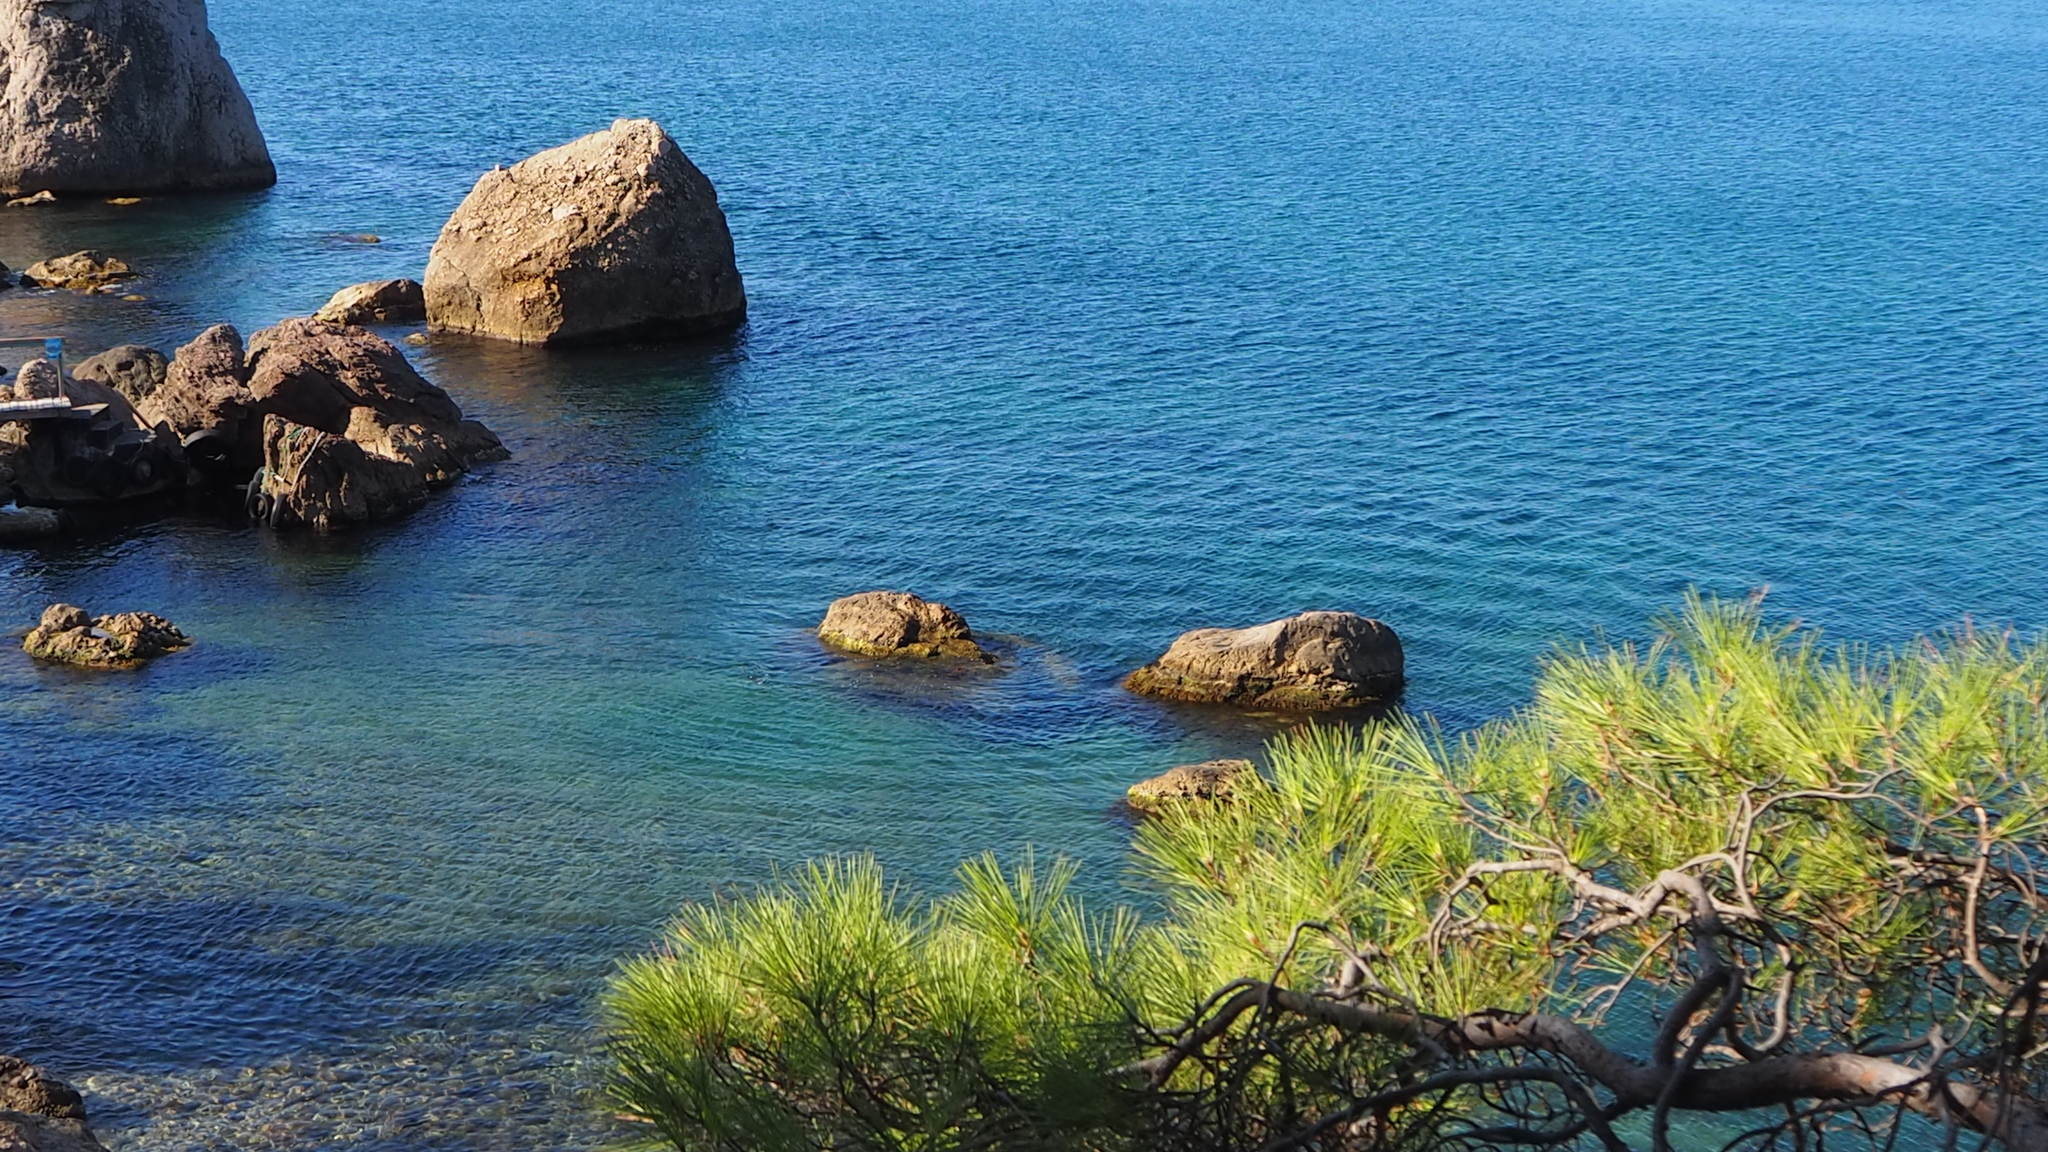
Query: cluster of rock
{"points": [[84, 271], [110, 96], [40, 1113], [1307, 662], [70, 635], [331, 421]]}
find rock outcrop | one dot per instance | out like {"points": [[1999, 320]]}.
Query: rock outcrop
{"points": [[376, 302], [109, 96], [350, 432], [612, 237], [40, 1113], [204, 399], [67, 635], [337, 383], [80, 271], [1208, 780], [27, 1088], [1311, 661], [133, 370], [897, 624]]}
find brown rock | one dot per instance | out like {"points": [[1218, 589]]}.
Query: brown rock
{"points": [[897, 624], [132, 370], [316, 478], [108, 96], [38, 380], [342, 381], [1209, 780], [27, 1088], [1311, 661], [615, 236], [376, 302], [80, 271], [67, 636], [29, 1132]]}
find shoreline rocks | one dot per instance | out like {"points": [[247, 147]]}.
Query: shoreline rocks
{"points": [[134, 370], [609, 238], [376, 302], [1315, 660], [40, 1113], [1208, 780], [333, 421], [121, 96], [69, 635], [890, 624]]}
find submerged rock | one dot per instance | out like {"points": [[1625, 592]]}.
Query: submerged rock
{"points": [[1310, 661], [133, 370], [376, 302], [612, 237], [109, 96], [67, 635], [22, 525], [1208, 780], [897, 624], [80, 271]]}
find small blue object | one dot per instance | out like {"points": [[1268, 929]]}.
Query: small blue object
{"points": [[53, 347]]}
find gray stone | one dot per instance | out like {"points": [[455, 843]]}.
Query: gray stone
{"points": [[1311, 661], [133, 370], [612, 237], [108, 96]]}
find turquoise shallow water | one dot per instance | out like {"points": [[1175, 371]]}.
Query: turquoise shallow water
{"points": [[1506, 323]]}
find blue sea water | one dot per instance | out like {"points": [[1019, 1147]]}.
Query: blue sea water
{"points": [[1506, 323]]}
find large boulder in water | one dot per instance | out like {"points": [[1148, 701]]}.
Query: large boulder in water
{"points": [[1311, 661], [104, 96], [350, 432], [897, 624], [613, 237]]}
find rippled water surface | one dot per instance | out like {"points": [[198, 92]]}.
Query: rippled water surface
{"points": [[1503, 322]]}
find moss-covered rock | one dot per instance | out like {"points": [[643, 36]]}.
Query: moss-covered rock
{"points": [[68, 635], [1208, 780], [897, 624]]}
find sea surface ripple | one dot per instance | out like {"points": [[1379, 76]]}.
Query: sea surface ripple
{"points": [[1506, 323]]}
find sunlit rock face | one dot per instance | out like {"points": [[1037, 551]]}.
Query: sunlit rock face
{"points": [[106, 96]]}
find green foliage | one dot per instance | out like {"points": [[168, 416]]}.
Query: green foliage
{"points": [[828, 1012], [1870, 824]]}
